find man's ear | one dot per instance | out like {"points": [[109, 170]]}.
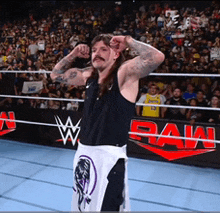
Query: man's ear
{"points": [[117, 54]]}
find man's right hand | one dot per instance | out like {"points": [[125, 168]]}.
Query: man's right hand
{"points": [[81, 51], [64, 74]]}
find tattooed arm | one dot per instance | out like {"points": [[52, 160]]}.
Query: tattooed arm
{"points": [[73, 76], [148, 59]]}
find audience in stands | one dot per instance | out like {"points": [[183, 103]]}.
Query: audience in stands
{"points": [[189, 38]]}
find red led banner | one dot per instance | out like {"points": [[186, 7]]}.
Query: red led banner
{"points": [[180, 148]]}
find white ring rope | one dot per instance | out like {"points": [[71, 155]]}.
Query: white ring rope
{"points": [[179, 106], [151, 74], [185, 74], [133, 133], [173, 137], [43, 98], [25, 71], [138, 104], [36, 123]]}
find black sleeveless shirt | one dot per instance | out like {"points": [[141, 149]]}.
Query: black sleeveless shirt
{"points": [[106, 120]]}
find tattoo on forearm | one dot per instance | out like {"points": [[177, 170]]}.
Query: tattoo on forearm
{"points": [[144, 50], [58, 71], [66, 79], [60, 80], [146, 61], [62, 66]]}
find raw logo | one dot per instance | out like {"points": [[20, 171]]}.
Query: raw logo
{"points": [[180, 147]]}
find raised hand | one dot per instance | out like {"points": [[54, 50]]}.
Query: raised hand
{"points": [[81, 51], [118, 43]]}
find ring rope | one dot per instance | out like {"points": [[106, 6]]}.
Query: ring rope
{"points": [[25, 71], [185, 74], [43, 98], [138, 104], [136, 133], [36, 123], [179, 106], [173, 137], [151, 74]]}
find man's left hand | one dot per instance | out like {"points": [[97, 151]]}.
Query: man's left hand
{"points": [[118, 43]]}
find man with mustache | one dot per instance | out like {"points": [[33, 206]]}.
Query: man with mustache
{"points": [[112, 85]]}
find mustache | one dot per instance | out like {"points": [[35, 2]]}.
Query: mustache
{"points": [[98, 57]]}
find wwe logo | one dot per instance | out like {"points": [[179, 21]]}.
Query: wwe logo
{"points": [[71, 129]]}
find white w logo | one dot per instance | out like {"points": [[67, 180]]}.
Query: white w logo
{"points": [[69, 126]]}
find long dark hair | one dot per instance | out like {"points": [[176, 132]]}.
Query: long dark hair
{"points": [[108, 81]]}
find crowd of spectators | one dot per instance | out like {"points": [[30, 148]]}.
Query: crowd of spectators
{"points": [[189, 38]]}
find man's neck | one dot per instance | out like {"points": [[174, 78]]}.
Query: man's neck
{"points": [[102, 75]]}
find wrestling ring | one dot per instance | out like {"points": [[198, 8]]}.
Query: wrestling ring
{"points": [[39, 178]]}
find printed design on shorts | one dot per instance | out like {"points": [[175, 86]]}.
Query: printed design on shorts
{"points": [[85, 180]]}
